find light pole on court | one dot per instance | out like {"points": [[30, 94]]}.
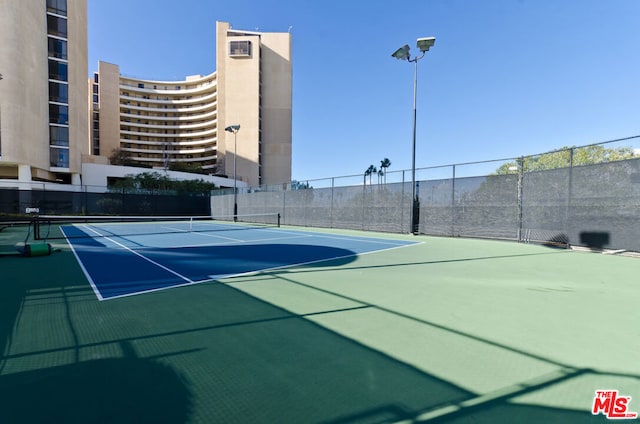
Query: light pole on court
{"points": [[403, 54], [234, 129]]}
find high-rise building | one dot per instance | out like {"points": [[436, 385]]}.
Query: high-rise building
{"points": [[181, 124], [53, 118], [44, 128]]}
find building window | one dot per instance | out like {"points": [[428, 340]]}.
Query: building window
{"points": [[57, 26], [59, 157], [58, 70], [58, 114], [240, 48], [58, 92], [57, 48], [58, 136], [57, 6]]}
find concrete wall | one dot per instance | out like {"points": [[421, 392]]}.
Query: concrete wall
{"points": [[109, 104], [276, 108], [24, 89], [94, 176], [78, 50]]}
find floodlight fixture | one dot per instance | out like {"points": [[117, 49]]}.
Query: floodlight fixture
{"points": [[233, 128], [402, 53], [425, 43]]}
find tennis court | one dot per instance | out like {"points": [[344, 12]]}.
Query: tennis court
{"points": [[292, 325], [128, 258]]}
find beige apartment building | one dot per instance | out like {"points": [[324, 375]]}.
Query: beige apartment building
{"points": [[164, 124], [55, 121], [44, 124]]}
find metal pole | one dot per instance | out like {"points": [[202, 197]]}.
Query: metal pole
{"points": [[235, 189], [414, 203], [521, 235], [453, 202]]}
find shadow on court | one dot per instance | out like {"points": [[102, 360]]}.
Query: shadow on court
{"points": [[122, 389], [205, 353], [114, 390], [119, 272], [208, 353]]}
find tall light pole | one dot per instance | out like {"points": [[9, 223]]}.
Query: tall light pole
{"points": [[403, 54], [234, 129]]}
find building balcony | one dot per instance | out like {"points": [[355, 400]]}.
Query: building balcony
{"points": [[205, 142], [165, 106], [181, 118], [133, 133], [162, 126]]}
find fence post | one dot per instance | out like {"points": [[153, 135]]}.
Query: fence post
{"points": [[364, 193], [402, 204], [569, 196], [284, 207], [520, 162], [453, 202], [331, 207]]}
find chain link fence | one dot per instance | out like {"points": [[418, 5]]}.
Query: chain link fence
{"points": [[583, 196]]}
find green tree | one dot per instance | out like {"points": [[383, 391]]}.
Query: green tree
{"points": [[298, 185], [588, 155], [155, 182], [121, 157], [369, 172], [384, 165], [186, 167]]}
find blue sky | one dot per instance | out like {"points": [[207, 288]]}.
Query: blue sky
{"points": [[505, 77]]}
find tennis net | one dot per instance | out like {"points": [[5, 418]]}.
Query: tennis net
{"points": [[13, 231], [47, 227]]}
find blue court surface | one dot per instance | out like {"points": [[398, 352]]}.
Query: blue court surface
{"points": [[119, 265]]}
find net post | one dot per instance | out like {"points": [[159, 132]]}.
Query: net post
{"points": [[278, 219], [36, 228]]}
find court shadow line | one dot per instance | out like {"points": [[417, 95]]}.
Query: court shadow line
{"points": [[288, 315], [488, 403], [423, 321], [337, 262]]}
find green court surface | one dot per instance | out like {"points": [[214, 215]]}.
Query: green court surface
{"points": [[448, 330]]}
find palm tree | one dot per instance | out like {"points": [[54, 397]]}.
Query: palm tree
{"points": [[370, 170], [384, 164]]}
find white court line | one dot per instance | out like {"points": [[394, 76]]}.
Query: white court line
{"points": [[207, 235], [252, 241], [86, 273], [188, 281], [244, 274], [240, 242], [356, 238]]}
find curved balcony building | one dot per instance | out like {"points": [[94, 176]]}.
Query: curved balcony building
{"points": [[180, 124], [163, 123]]}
